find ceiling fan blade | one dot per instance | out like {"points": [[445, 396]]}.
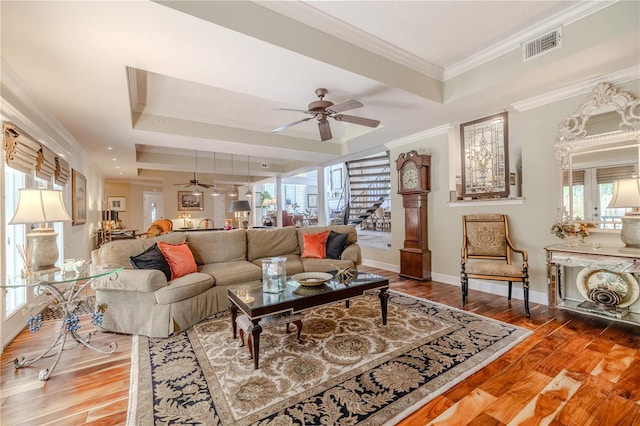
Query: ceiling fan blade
{"points": [[286, 126], [294, 109], [357, 120], [205, 185], [325, 130], [345, 106]]}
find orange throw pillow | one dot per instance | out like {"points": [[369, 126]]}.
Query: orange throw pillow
{"points": [[179, 257], [315, 245]]}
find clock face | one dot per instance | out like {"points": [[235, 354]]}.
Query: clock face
{"points": [[410, 176]]}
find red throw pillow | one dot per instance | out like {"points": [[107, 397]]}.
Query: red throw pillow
{"points": [[179, 257], [315, 245]]}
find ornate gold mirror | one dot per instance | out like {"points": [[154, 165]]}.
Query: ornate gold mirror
{"points": [[596, 147]]}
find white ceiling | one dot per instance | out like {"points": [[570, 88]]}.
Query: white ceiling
{"points": [[155, 81]]}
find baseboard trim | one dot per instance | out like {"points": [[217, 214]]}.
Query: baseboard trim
{"points": [[492, 287]]}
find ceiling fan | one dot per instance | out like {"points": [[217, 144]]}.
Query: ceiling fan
{"points": [[322, 109], [195, 182]]}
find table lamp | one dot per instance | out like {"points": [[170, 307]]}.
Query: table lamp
{"points": [[41, 206], [238, 207], [626, 193]]}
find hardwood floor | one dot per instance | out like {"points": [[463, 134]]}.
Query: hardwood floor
{"points": [[574, 370]]}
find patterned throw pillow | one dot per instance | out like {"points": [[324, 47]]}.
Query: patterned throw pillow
{"points": [[151, 258], [179, 257], [315, 245]]}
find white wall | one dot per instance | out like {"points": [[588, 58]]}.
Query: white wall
{"points": [[532, 132]]}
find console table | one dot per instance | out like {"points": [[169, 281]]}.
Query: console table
{"points": [[573, 272], [65, 290]]}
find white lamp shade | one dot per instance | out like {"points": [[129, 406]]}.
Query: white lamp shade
{"points": [[626, 193], [39, 206]]}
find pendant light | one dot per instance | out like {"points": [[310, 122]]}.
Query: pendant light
{"points": [[215, 192], [234, 191], [248, 194]]}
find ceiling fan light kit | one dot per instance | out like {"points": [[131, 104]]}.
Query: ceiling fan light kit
{"points": [[322, 109], [195, 180]]}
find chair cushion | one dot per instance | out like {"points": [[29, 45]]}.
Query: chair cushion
{"points": [[151, 258], [179, 257], [336, 244], [494, 269], [315, 245]]}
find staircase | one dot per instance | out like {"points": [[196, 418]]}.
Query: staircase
{"points": [[369, 187]]}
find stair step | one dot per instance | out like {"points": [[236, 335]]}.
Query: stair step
{"points": [[376, 158], [369, 175], [382, 166]]}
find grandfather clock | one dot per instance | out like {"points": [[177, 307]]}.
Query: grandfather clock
{"points": [[414, 185]]}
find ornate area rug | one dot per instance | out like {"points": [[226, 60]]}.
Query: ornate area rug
{"points": [[349, 370]]}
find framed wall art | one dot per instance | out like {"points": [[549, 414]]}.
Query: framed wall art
{"points": [[118, 204], [485, 157], [190, 201], [78, 198], [312, 201]]}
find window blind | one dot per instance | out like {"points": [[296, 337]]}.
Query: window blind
{"points": [[577, 178], [612, 174], [24, 153]]}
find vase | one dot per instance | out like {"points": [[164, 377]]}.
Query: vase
{"points": [[274, 274], [571, 240]]}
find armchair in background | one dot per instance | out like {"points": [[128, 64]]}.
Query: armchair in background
{"points": [[486, 254], [159, 227]]}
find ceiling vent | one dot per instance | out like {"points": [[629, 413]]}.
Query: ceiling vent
{"points": [[542, 44]]}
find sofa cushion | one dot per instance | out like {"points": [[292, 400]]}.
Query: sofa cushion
{"points": [[229, 273], [187, 286], [294, 263], [151, 258], [179, 257], [119, 251], [336, 244], [315, 245], [271, 243], [218, 246]]}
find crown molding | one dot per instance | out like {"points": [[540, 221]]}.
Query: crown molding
{"points": [[572, 14], [417, 137], [48, 129], [321, 21], [580, 88]]}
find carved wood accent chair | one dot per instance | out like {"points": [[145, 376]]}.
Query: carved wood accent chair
{"points": [[487, 253]]}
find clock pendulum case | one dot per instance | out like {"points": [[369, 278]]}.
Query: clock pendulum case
{"points": [[414, 184]]}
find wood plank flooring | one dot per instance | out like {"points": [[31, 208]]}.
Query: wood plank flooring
{"points": [[574, 370]]}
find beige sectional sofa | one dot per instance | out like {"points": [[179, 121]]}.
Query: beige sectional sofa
{"points": [[142, 301]]}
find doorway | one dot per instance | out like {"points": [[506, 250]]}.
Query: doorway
{"points": [[153, 207]]}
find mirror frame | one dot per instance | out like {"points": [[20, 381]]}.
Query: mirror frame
{"points": [[572, 135]]}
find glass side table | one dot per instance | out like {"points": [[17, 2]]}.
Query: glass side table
{"points": [[65, 292]]}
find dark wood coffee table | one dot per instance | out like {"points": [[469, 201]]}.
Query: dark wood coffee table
{"points": [[256, 304]]}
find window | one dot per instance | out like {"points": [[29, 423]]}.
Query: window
{"points": [[485, 159], [592, 192], [15, 234]]}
